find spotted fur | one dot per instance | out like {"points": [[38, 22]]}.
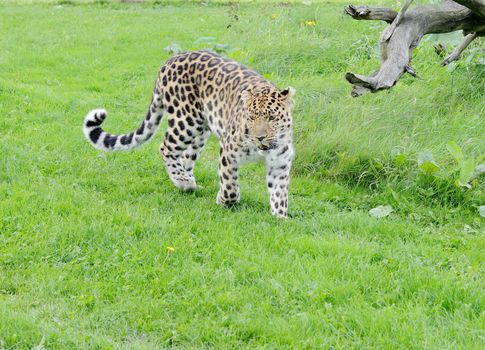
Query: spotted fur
{"points": [[202, 92]]}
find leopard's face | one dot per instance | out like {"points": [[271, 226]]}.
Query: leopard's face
{"points": [[269, 117]]}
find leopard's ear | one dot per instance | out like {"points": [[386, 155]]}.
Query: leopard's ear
{"points": [[247, 97], [287, 93]]}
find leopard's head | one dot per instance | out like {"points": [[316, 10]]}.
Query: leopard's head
{"points": [[269, 116]]}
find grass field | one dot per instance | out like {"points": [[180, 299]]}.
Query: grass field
{"points": [[84, 236]]}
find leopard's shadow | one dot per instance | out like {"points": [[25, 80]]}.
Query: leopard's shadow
{"points": [[246, 204], [250, 205]]}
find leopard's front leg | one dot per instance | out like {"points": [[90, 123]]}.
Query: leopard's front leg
{"points": [[228, 177], [278, 166]]}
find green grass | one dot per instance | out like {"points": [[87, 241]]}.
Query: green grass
{"points": [[84, 234]]}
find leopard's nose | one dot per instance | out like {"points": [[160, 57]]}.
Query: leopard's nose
{"points": [[260, 138]]}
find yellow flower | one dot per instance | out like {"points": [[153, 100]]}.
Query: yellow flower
{"points": [[310, 23], [274, 16], [170, 249]]}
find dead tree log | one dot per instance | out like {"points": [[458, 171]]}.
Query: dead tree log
{"points": [[476, 6], [405, 32], [364, 12], [459, 49]]}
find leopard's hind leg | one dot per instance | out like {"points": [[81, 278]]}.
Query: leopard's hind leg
{"points": [[190, 155], [183, 143]]}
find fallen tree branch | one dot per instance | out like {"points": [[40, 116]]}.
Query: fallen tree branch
{"points": [[459, 49], [400, 38], [411, 71], [386, 34], [370, 13], [476, 6]]}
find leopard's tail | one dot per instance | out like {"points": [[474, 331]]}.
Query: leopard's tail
{"points": [[102, 140]]}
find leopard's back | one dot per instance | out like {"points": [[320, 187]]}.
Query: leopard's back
{"points": [[204, 86]]}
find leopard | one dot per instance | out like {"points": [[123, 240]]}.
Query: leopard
{"points": [[202, 93]]}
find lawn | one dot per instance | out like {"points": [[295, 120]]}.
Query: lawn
{"points": [[100, 251]]}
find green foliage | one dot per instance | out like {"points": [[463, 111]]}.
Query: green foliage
{"points": [[100, 251], [467, 167], [381, 211], [481, 210], [205, 43]]}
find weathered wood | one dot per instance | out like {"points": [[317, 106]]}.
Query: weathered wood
{"points": [[411, 71], [386, 34], [403, 35], [459, 49], [370, 13], [476, 6]]}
